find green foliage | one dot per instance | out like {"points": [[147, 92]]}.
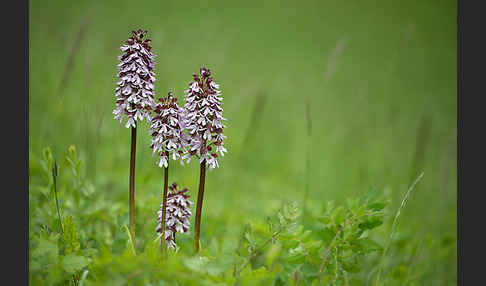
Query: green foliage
{"points": [[337, 245], [366, 99], [334, 244], [73, 263], [70, 237], [57, 257]]}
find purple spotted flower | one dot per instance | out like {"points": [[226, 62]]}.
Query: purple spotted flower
{"points": [[204, 119], [135, 89], [166, 127], [177, 215]]}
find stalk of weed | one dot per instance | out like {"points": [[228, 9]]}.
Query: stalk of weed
{"points": [[402, 205], [76, 45], [420, 145], [54, 176], [307, 156], [333, 59], [255, 119]]}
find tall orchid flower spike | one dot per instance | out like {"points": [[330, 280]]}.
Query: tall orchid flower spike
{"points": [[135, 89], [134, 97], [204, 119], [205, 131], [166, 127], [177, 215]]}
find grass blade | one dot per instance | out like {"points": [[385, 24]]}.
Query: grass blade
{"points": [[395, 220], [130, 239]]}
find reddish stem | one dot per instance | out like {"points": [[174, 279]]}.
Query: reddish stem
{"points": [[132, 183], [164, 205], [200, 195]]}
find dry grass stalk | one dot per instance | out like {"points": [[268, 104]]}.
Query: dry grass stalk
{"points": [[255, 119], [423, 133], [333, 59], [74, 50]]}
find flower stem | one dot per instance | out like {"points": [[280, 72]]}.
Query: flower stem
{"points": [[164, 205], [200, 195], [132, 182]]}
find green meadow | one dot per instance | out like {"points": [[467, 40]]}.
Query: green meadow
{"points": [[328, 102]]}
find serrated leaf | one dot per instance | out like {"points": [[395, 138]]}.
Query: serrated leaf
{"points": [[46, 248], [73, 263]]}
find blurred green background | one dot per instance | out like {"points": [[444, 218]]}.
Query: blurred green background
{"points": [[379, 78]]}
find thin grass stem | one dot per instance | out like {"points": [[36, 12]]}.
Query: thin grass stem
{"points": [[307, 157], [54, 176], [74, 50], [255, 121], [395, 220]]}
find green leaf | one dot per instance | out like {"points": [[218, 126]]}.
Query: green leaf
{"points": [[296, 255], [324, 219], [351, 265], [215, 269], [313, 246], [377, 206], [73, 263], [197, 264], [327, 234], [272, 253], [47, 249], [338, 215], [370, 194], [371, 223], [399, 272], [260, 276], [368, 245]]}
